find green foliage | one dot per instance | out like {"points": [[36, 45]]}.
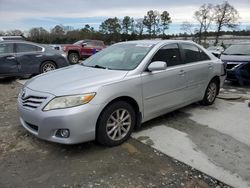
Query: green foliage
{"points": [[110, 26], [127, 25], [165, 21]]}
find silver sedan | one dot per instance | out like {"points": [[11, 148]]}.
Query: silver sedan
{"points": [[114, 91]]}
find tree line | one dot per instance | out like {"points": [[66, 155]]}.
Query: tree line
{"points": [[153, 25]]}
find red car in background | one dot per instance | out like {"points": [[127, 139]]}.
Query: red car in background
{"points": [[82, 49]]}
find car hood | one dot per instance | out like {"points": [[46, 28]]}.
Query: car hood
{"points": [[74, 80], [235, 58]]}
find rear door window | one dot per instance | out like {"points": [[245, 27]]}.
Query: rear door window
{"points": [[6, 48], [193, 54]]}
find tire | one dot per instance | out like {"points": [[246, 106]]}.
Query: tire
{"points": [[73, 57], [211, 93], [47, 66], [111, 130]]}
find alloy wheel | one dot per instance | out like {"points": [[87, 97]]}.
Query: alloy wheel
{"points": [[48, 67], [118, 124], [211, 92]]}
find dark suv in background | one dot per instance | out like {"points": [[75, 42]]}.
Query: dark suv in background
{"points": [[237, 60], [22, 58], [82, 49]]}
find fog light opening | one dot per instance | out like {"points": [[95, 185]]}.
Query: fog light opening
{"points": [[63, 133]]}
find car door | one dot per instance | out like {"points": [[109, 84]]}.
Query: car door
{"points": [[8, 62], [29, 57], [163, 90], [198, 68], [86, 48]]}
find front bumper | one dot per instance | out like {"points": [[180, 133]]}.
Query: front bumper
{"points": [[81, 121]]}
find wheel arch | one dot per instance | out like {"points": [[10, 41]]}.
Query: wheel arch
{"points": [[74, 51], [217, 79], [129, 100]]}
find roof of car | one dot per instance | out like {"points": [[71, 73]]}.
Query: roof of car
{"points": [[4, 38], [157, 41], [19, 41]]}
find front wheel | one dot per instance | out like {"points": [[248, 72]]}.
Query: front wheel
{"points": [[211, 93], [115, 124]]}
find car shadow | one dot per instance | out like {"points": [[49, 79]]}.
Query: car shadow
{"points": [[7, 80]]}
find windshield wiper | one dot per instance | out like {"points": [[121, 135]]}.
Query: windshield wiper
{"points": [[95, 66], [238, 54], [100, 67]]}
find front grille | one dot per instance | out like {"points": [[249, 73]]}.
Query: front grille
{"points": [[33, 102], [230, 66], [33, 127]]}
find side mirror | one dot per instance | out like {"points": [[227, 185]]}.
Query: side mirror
{"points": [[84, 44], [157, 66]]}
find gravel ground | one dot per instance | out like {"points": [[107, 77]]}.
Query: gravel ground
{"points": [[26, 161]]}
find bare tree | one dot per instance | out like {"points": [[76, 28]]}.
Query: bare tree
{"points": [[58, 30], [187, 27], [205, 17], [15, 32], [225, 16], [248, 28], [2, 33], [39, 34]]}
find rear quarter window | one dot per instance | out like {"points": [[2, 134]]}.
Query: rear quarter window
{"points": [[22, 47]]}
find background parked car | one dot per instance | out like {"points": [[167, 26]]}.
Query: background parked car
{"points": [[22, 58], [3, 38], [237, 60], [216, 50], [82, 49], [56, 46]]}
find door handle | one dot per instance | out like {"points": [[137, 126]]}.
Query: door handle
{"points": [[210, 66], [182, 72], [39, 55], [10, 57]]}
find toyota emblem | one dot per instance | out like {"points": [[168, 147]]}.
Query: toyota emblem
{"points": [[23, 94]]}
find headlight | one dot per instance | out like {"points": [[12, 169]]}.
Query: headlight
{"points": [[68, 101], [64, 55]]}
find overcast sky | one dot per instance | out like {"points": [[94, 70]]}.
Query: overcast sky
{"points": [[25, 14]]}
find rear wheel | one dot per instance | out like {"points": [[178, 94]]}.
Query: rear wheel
{"points": [[211, 92], [47, 66], [73, 57], [115, 124]]}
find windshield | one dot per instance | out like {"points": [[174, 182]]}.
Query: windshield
{"points": [[238, 49], [212, 48], [78, 42], [119, 56]]}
